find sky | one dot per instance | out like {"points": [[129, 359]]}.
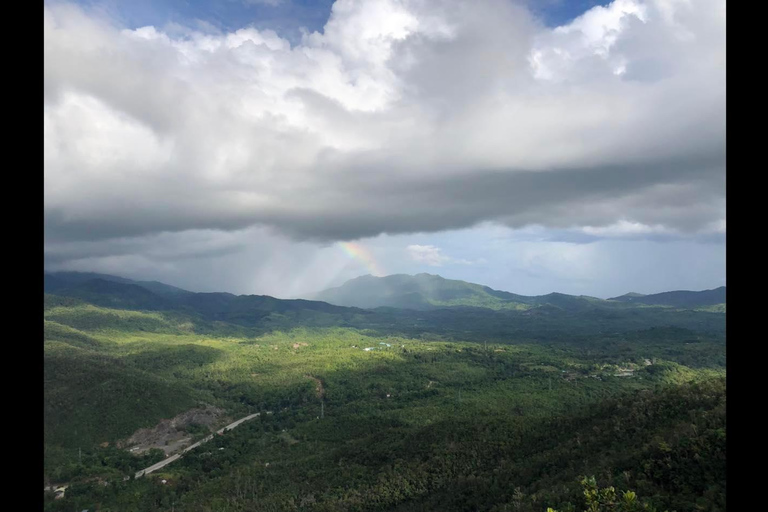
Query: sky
{"points": [[281, 147]]}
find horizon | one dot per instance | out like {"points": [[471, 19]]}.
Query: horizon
{"points": [[309, 296]]}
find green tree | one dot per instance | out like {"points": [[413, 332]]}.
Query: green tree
{"points": [[607, 500]]}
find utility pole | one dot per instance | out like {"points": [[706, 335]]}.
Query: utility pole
{"points": [[79, 455]]}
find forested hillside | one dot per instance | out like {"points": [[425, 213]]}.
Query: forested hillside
{"points": [[388, 409]]}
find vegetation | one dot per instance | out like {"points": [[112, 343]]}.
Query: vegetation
{"points": [[427, 291], [473, 410]]}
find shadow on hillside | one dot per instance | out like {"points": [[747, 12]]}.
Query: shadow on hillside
{"points": [[168, 357]]}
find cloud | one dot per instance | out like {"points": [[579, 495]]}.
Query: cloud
{"points": [[428, 254], [251, 260], [271, 3], [400, 117], [434, 257]]}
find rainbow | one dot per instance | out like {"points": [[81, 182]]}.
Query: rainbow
{"points": [[363, 255]]}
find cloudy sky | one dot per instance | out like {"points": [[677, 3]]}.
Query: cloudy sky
{"points": [[283, 146]]}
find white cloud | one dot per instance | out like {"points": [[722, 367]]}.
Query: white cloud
{"points": [[625, 228], [434, 257], [386, 122], [428, 254]]}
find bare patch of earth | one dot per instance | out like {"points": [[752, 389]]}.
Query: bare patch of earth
{"points": [[319, 389], [175, 434]]}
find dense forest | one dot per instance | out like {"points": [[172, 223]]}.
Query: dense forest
{"points": [[567, 406]]}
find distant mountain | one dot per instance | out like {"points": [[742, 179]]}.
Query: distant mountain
{"points": [[400, 304], [679, 299], [54, 281], [246, 310], [108, 293], [428, 291], [628, 297]]}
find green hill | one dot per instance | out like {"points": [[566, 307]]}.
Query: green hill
{"points": [[422, 291], [679, 298], [54, 281], [458, 310], [427, 291]]}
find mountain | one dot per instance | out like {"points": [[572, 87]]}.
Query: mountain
{"points": [[203, 309], [399, 305], [422, 291], [628, 297], [428, 291], [679, 299], [109, 293], [54, 281]]}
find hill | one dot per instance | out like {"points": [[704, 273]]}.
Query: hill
{"points": [[55, 281], [446, 408], [679, 298], [428, 291], [458, 310], [413, 423], [422, 291]]}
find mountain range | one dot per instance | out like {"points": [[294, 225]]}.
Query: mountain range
{"points": [[399, 304], [428, 291], [401, 291]]}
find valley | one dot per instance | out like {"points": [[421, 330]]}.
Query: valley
{"points": [[450, 409]]}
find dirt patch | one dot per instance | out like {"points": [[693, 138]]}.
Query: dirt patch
{"points": [[300, 344], [174, 434], [319, 389]]}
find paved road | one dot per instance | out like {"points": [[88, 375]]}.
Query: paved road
{"points": [[172, 458]]}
